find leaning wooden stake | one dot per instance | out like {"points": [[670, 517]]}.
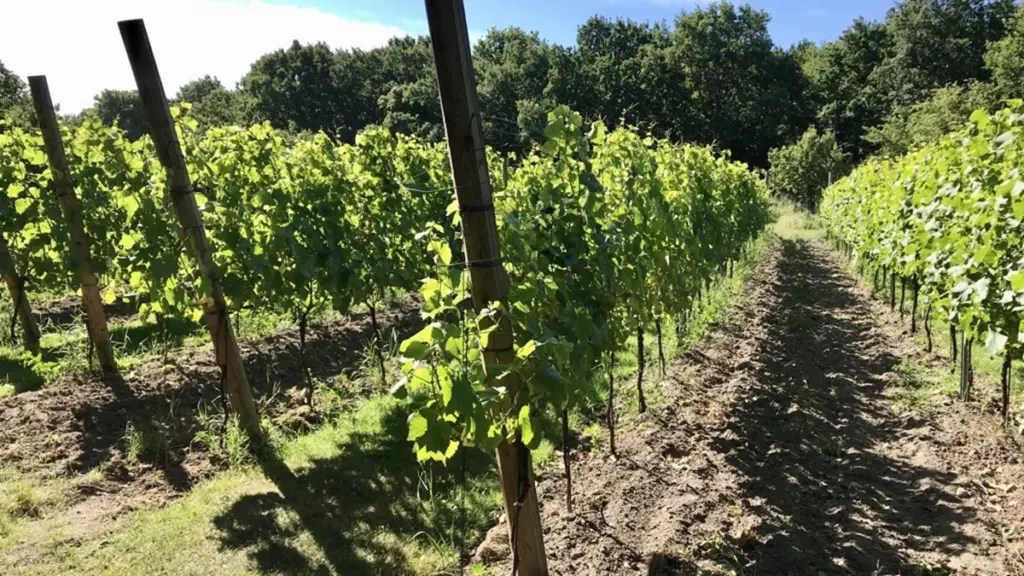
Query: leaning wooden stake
{"points": [[489, 284], [151, 92], [96, 319], [23, 311]]}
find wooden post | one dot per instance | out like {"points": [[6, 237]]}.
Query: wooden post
{"points": [[96, 320], [23, 311], [464, 132], [151, 92]]}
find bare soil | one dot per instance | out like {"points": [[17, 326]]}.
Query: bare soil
{"points": [[779, 451], [78, 422]]}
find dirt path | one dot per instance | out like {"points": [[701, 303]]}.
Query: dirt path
{"points": [[779, 451]]}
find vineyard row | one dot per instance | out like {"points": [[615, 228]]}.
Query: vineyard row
{"points": [[948, 220]]}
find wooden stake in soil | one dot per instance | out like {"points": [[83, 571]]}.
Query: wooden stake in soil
{"points": [[379, 344], [489, 284], [952, 346], [96, 319], [151, 92], [966, 366], [903, 295], [22, 310]]}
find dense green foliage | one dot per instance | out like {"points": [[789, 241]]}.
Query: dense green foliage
{"points": [[949, 217], [121, 108], [603, 232], [801, 171], [927, 121], [1005, 59], [325, 224], [15, 106], [874, 69]]}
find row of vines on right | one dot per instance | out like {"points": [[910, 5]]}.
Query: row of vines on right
{"points": [[948, 221]]}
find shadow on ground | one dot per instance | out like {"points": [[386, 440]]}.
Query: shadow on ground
{"points": [[362, 508], [809, 438]]}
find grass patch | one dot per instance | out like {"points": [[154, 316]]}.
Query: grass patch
{"points": [[64, 349], [349, 498], [795, 223], [921, 388], [145, 442], [23, 500]]}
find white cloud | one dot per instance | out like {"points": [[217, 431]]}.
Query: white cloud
{"points": [[76, 43]]}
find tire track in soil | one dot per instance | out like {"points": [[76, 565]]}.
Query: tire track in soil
{"points": [[779, 452]]}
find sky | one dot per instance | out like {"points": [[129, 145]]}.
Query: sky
{"points": [[75, 43]]}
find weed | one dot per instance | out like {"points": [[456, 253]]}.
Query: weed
{"points": [[331, 400], [145, 442], [377, 349], [597, 437], [227, 441]]}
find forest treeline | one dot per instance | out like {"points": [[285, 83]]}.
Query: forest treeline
{"points": [[712, 76]]}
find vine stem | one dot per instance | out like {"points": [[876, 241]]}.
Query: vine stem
{"points": [[640, 362], [928, 325], [610, 416], [566, 458], [661, 350], [380, 343], [1005, 381]]}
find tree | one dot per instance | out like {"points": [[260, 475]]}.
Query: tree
{"points": [[405, 88], [1005, 60], [15, 104], [212, 103], [801, 171], [412, 108], [935, 43], [124, 109], [512, 73], [946, 110], [840, 75], [746, 96], [296, 88], [611, 55]]}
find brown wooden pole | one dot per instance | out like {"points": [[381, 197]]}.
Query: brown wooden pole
{"points": [[96, 320], [161, 125], [489, 284], [23, 310]]}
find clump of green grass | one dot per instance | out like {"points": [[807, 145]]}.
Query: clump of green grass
{"points": [[920, 387], [23, 499], [228, 441], [796, 223], [144, 442]]}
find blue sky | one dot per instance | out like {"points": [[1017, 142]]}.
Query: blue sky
{"points": [[557, 20]]}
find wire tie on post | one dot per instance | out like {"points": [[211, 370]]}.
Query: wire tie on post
{"points": [[473, 209], [179, 191]]}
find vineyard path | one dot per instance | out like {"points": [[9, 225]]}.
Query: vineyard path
{"points": [[780, 448]]}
